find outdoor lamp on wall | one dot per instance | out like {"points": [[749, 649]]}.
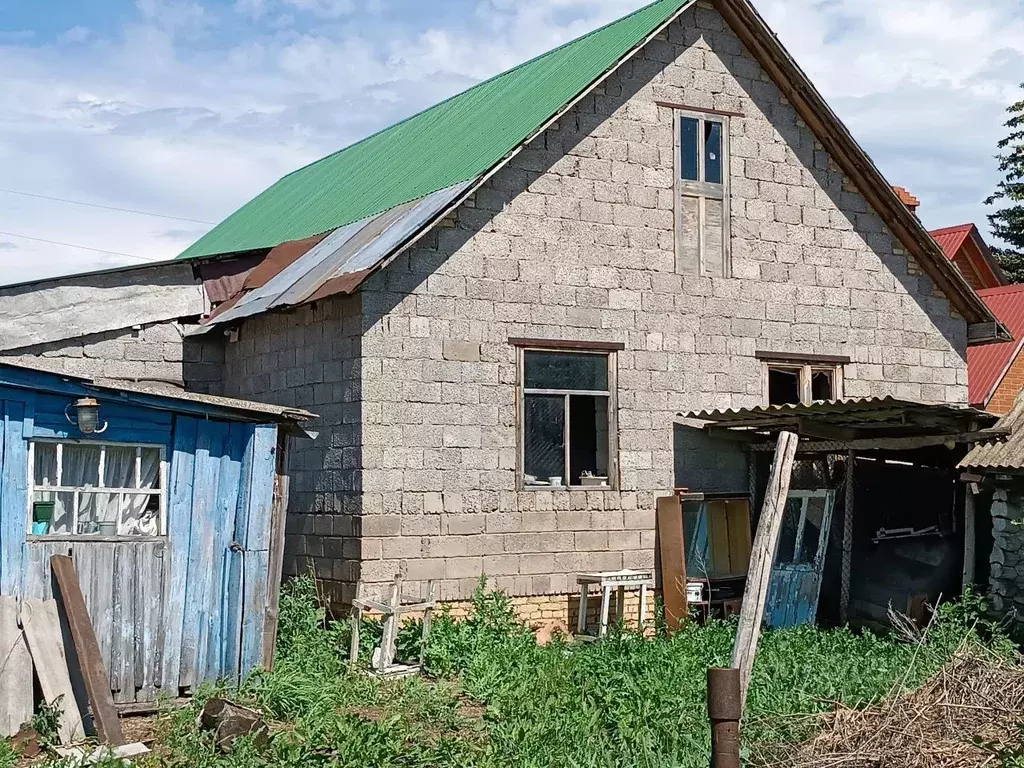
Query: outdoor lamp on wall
{"points": [[87, 416]]}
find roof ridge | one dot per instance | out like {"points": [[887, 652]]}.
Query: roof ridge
{"points": [[954, 228], [480, 84]]}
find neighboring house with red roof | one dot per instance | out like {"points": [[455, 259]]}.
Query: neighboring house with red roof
{"points": [[964, 246], [996, 371]]}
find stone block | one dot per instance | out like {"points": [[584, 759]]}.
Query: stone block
{"points": [[462, 351]]}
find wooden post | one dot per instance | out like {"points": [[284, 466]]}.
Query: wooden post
{"points": [[970, 536], [428, 615], [356, 619], [387, 641], [724, 711], [762, 557], [278, 521], [847, 566], [672, 548], [94, 673]]}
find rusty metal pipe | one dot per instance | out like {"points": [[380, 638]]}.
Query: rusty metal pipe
{"points": [[724, 711]]}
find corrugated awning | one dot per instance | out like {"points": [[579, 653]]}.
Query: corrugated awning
{"points": [[850, 420], [1001, 455]]}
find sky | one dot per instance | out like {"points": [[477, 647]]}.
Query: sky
{"points": [[189, 108]]}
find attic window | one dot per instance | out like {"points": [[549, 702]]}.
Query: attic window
{"points": [[702, 194]]}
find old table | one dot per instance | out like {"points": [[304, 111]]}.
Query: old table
{"points": [[609, 580]]}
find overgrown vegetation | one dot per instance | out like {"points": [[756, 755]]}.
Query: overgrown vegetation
{"points": [[492, 697]]}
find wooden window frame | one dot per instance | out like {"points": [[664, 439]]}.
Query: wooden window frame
{"points": [[610, 352], [160, 493], [805, 371], [702, 191]]}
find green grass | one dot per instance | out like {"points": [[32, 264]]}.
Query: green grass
{"points": [[493, 698]]}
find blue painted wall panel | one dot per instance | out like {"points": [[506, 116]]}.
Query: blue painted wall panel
{"points": [[13, 496]]}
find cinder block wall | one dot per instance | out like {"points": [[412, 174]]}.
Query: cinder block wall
{"points": [[310, 358], [574, 240], [157, 352]]}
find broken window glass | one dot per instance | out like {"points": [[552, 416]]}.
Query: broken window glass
{"points": [[783, 386], [821, 385], [712, 152]]}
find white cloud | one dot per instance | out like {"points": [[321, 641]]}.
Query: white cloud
{"points": [[167, 116]]}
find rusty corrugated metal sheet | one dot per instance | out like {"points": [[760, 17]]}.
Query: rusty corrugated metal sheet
{"points": [[996, 455], [987, 364], [224, 278], [307, 270]]}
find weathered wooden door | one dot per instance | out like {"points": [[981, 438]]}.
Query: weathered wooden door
{"points": [[800, 559], [123, 585]]}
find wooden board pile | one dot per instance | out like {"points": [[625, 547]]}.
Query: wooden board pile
{"points": [[962, 717]]}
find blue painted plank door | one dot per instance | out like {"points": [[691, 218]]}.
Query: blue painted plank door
{"points": [[800, 559], [221, 493]]}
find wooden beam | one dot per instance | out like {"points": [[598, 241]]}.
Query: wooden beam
{"points": [[87, 648], [597, 346], [762, 557], [704, 110], [847, 565], [672, 551], [970, 537], [891, 443], [801, 357], [278, 520]]}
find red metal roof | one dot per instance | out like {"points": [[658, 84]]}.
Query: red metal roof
{"points": [[950, 239], [987, 364]]}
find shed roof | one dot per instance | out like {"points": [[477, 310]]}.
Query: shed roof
{"points": [[850, 419], [1001, 455], [151, 394], [988, 364]]}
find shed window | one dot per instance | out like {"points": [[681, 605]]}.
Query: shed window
{"points": [[702, 194], [96, 489], [566, 418]]}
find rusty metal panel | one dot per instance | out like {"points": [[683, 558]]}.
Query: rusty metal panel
{"points": [[338, 262]]}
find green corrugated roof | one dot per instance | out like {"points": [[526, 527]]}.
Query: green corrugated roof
{"points": [[457, 140]]}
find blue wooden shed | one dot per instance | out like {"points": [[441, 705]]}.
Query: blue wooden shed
{"points": [[172, 507]]}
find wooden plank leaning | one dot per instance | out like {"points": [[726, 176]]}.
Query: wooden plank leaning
{"points": [[41, 623], [94, 673], [762, 558], [15, 671], [672, 552]]}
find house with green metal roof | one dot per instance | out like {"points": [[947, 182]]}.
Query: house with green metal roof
{"points": [[499, 306]]}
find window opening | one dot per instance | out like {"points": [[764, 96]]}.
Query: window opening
{"points": [[567, 416], [104, 489]]}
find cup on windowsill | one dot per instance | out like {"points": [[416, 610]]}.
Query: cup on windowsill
{"points": [[555, 480]]}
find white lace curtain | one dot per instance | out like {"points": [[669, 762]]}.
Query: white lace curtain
{"points": [[124, 468]]}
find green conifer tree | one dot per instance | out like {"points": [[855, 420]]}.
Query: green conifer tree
{"points": [[1008, 222]]}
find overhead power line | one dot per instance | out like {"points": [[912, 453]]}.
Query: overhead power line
{"points": [[104, 207], [74, 245]]}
